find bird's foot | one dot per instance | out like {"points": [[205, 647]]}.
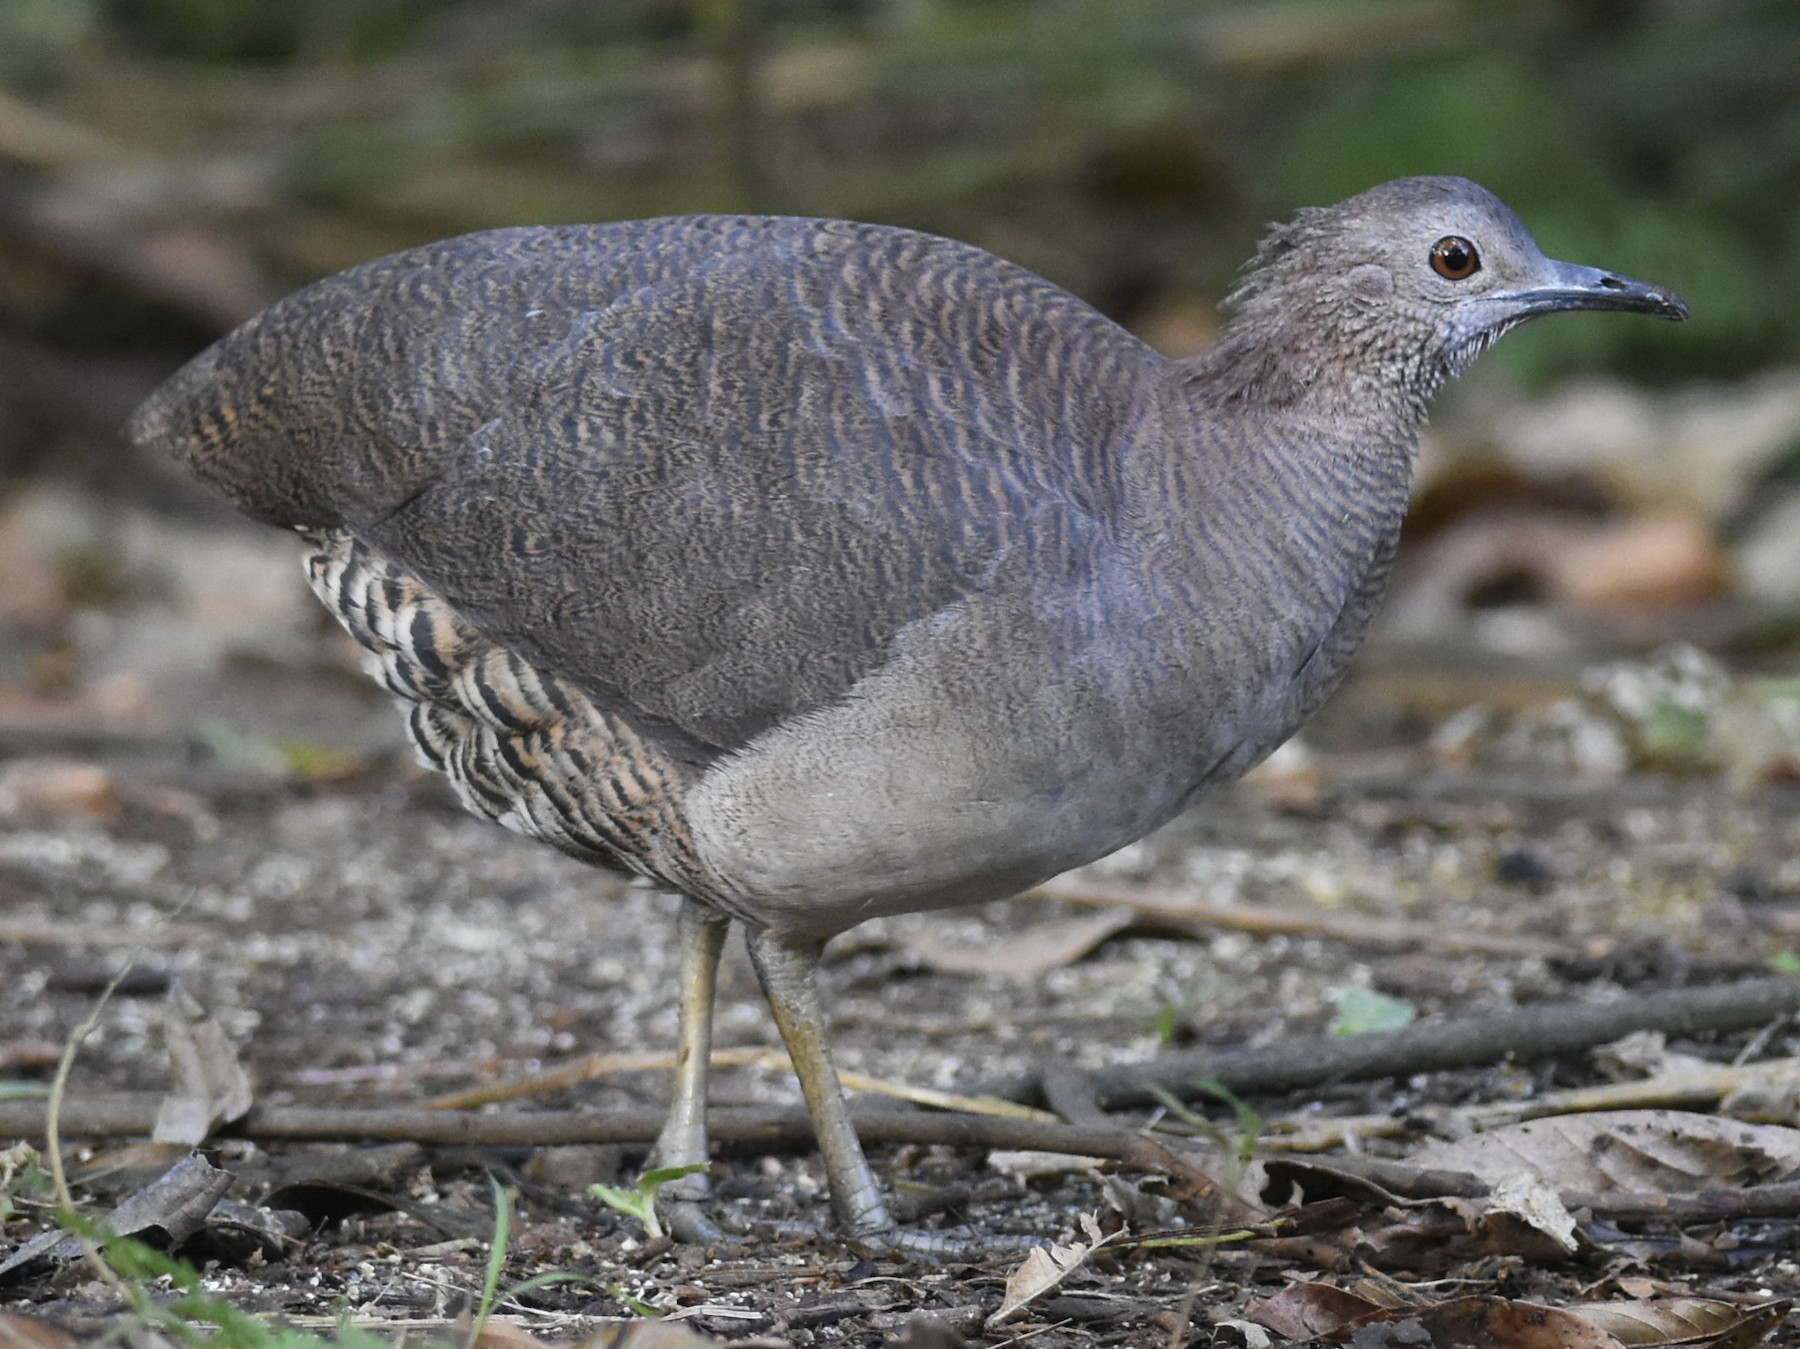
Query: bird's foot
{"points": [[933, 1245], [689, 1223], [942, 1244]]}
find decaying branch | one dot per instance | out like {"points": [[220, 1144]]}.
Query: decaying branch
{"points": [[1525, 1034]]}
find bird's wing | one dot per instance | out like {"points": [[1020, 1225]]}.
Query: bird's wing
{"points": [[709, 468]]}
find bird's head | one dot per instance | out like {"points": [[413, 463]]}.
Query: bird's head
{"points": [[1397, 289]]}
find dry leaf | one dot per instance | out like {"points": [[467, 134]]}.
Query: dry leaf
{"points": [[22, 1332], [27, 1333], [1435, 1236], [1768, 1098], [1024, 1165], [1670, 559], [1304, 1310], [1501, 1323], [58, 787], [1662, 1320], [642, 1334], [208, 1085], [1535, 1203], [1758, 1325], [1653, 1151], [924, 1331], [173, 1206], [498, 1334], [1043, 1268], [1645, 1054], [1321, 1312], [1027, 953], [1252, 1335]]}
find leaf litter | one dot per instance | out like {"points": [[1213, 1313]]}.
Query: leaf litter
{"points": [[330, 935]]}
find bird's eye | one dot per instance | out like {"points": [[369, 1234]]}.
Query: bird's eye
{"points": [[1454, 258]]}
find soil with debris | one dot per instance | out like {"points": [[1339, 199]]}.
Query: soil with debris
{"points": [[363, 943]]}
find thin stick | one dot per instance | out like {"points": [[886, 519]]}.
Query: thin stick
{"points": [[591, 1066], [765, 1128], [1165, 908], [126, 1115], [53, 1107], [1686, 1088], [1780, 1199], [1522, 1034]]}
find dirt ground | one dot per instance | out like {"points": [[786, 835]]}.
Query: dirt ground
{"points": [[197, 788], [363, 943]]}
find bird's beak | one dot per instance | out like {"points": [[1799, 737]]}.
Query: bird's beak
{"points": [[1568, 285]]}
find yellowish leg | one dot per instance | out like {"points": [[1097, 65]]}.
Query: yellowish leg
{"points": [[682, 1142], [789, 978]]}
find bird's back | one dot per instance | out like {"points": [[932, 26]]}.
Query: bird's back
{"points": [[781, 559], [705, 467]]}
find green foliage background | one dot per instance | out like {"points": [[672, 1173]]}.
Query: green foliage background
{"points": [[1127, 148]]}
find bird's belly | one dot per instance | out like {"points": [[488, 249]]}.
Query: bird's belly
{"points": [[898, 848], [914, 795]]}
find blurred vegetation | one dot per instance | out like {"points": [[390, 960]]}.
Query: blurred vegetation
{"points": [[166, 166]]}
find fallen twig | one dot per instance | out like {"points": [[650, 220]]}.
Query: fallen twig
{"points": [[1780, 1200], [763, 1129], [1165, 908], [1547, 791], [1688, 1088], [592, 1066], [130, 1114], [1522, 1034], [1423, 1184]]}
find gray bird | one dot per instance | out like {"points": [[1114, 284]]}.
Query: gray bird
{"points": [[821, 570]]}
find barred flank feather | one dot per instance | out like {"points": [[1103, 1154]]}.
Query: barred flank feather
{"points": [[519, 745]]}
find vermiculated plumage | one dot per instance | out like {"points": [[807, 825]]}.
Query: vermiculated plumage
{"points": [[822, 570], [891, 449]]}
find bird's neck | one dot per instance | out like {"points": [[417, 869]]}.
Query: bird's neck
{"points": [[1270, 360], [1340, 455], [1263, 539], [1288, 508], [1318, 412]]}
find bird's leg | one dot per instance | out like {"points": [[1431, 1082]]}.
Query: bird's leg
{"points": [[682, 1142], [789, 973]]}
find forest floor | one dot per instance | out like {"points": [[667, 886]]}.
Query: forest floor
{"points": [[364, 950]]}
